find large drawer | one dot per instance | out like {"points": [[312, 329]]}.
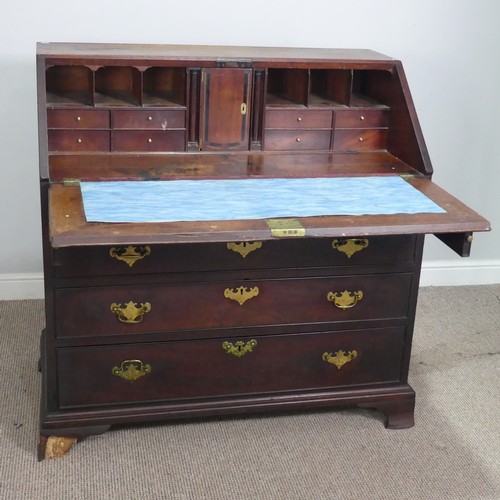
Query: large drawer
{"points": [[281, 140], [92, 376], [148, 140], [91, 311], [130, 260], [151, 119]]}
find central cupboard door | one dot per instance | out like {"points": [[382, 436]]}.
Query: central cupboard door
{"points": [[225, 108]]}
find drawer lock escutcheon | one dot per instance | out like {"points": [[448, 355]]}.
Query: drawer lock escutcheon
{"points": [[344, 300], [340, 358], [350, 246], [131, 313], [241, 294], [130, 255], [239, 348], [131, 369], [244, 247]]}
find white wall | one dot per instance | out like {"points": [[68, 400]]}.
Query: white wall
{"points": [[450, 50]]}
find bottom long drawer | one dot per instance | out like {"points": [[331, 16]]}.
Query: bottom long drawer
{"points": [[91, 376]]}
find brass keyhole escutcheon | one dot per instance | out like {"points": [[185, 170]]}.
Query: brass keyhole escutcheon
{"points": [[350, 246], [241, 294], [243, 108], [130, 255], [244, 247], [239, 348], [340, 358]]}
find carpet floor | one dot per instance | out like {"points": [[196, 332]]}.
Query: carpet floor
{"points": [[453, 452]]}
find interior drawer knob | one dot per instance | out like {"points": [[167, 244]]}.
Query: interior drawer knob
{"points": [[131, 369], [340, 358], [244, 247], [344, 300], [78, 118], [298, 139], [79, 141], [131, 313], [299, 119], [241, 294], [350, 246], [130, 255], [239, 348]]}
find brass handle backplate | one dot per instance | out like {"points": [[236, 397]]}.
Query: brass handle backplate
{"points": [[130, 255], [244, 247], [345, 299], [239, 348], [340, 358], [131, 369], [241, 294], [131, 313], [350, 246]]}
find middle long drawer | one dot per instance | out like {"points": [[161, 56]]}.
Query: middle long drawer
{"points": [[224, 304]]}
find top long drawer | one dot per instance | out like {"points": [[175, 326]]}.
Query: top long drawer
{"points": [[274, 254]]}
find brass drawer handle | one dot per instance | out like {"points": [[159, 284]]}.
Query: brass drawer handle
{"points": [[240, 348], [350, 246], [131, 370], [344, 300], [244, 247], [340, 358], [130, 255], [241, 294], [130, 313]]}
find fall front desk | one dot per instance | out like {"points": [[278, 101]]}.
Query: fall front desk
{"points": [[228, 231]]}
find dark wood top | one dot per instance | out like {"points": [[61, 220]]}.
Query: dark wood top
{"points": [[68, 226], [204, 52]]}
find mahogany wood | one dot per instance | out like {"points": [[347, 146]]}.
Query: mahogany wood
{"points": [[150, 112]]}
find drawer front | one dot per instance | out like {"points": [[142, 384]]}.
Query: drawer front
{"points": [[281, 140], [275, 254], [78, 140], [297, 119], [359, 139], [77, 118], [154, 140], [212, 368], [361, 119], [87, 312], [153, 119]]}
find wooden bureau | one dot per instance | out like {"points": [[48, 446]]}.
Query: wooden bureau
{"points": [[150, 321]]}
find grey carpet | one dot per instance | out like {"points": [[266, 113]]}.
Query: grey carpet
{"points": [[453, 452]]}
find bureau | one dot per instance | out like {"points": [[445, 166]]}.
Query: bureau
{"points": [[155, 319]]}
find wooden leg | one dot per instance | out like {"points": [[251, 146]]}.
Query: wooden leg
{"points": [[399, 414], [54, 446]]}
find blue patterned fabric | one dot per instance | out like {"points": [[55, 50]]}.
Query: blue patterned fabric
{"points": [[239, 199]]}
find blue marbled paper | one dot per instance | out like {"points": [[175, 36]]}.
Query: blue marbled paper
{"points": [[239, 199]]}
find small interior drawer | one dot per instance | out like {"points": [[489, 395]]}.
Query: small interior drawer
{"points": [[78, 140], [359, 139], [361, 118], [150, 119], [285, 140], [110, 375], [297, 119], [148, 140], [77, 118]]}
